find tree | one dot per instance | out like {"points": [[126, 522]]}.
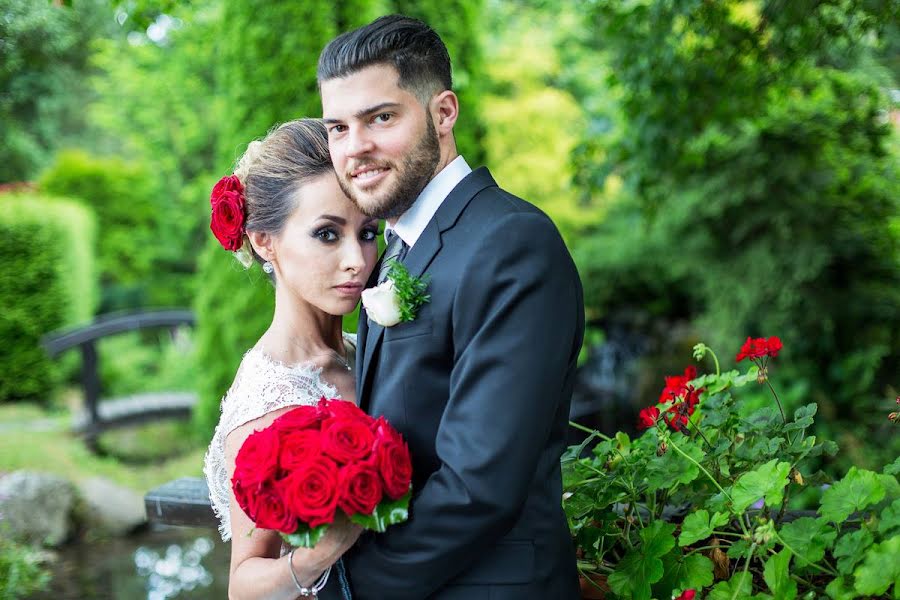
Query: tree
{"points": [[757, 162], [266, 74], [43, 63]]}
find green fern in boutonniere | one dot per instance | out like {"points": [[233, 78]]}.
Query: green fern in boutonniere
{"points": [[398, 299]]}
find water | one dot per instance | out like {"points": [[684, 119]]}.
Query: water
{"points": [[175, 562]]}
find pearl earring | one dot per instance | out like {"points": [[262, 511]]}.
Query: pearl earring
{"points": [[268, 268]]}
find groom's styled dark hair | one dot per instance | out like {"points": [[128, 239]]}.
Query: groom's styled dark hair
{"points": [[407, 44]]}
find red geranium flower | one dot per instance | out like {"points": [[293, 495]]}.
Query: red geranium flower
{"points": [[756, 348], [687, 595], [648, 417]]}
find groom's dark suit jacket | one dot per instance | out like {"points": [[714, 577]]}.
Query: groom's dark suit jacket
{"points": [[479, 384]]}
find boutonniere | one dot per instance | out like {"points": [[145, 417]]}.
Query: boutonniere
{"points": [[396, 300]]}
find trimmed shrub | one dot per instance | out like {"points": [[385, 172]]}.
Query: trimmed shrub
{"points": [[124, 197], [47, 282]]}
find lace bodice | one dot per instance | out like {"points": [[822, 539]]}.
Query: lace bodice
{"points": [[260, 386]]}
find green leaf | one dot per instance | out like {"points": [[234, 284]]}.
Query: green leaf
{"points": [[778, 577], [850, 549], [698, 526], [410, 291], [657, 538], [838, 589], [803, 417], [672, 469], [893, 468], [305, 537], [634, 574], [768, 481], [387, 513], [857, 490], [809, 538], [880, 569], [890, 518], [738, 587], [738, 549], [694, 572], [764, 419]]}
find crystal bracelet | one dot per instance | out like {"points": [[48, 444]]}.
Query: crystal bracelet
{"points": [[312, 591]]}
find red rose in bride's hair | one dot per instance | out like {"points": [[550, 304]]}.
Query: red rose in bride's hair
{"points": [[227, 220], [230, 183]]}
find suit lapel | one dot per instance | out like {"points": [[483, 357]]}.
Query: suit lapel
{"points": [[417, 261]]}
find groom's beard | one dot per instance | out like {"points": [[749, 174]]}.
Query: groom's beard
{"points": [[412, 175]]}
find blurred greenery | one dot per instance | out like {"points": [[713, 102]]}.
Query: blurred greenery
{"points": [[47, 282], [719, 169]]}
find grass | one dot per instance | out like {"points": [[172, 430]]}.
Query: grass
{"points": [[52, 449]]}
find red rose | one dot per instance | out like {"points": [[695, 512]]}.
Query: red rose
{"points": [[311, 491], [360, 489], [246, 496], [343, 409], [227, 221], [272, 512], [302, 417], [299, 446], [347, 439], [393, 460], [648, 417], [230, 183], [257, 460]]}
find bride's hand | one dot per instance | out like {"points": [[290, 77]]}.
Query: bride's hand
{"points": [[309, 563]]}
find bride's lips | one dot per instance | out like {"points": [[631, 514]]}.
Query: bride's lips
{"points": [[350, 288], [368, 176]]}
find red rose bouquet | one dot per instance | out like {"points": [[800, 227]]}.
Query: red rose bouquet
{"points": [[295, 474]]}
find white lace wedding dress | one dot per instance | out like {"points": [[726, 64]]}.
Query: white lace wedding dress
{"points": [[260, 386]]}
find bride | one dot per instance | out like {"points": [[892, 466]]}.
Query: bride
{"points": [[283, 208]]}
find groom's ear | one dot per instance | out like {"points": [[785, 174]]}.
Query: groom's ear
{"points": [[445, 110], [262, 244]]}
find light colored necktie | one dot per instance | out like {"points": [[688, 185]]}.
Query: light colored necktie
{"points": [[395, 251]]}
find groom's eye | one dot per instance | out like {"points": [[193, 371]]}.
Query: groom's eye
{"points": [[337, 129], [382, 118]]}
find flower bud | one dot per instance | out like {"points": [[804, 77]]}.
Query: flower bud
{"points": [[894, 417], [796, 477], [762, 375], [662, 448]]}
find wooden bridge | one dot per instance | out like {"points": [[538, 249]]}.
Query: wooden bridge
{"points": [[99, 415]]}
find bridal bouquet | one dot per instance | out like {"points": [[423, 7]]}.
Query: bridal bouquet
{"points": [[294, 475]]}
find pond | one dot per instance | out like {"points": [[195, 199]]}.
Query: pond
{"points": [[165, 563]]}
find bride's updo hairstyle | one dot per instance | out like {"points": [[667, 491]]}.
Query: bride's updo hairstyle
{"points": [[272, 170]]}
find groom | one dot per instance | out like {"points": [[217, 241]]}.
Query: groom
{"points": [[480, 382]]}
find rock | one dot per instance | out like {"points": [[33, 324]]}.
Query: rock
{"points": [[111, 508], [36, 508]]}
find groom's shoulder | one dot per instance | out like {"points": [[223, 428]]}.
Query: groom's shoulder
{"points": [[494, 206]]}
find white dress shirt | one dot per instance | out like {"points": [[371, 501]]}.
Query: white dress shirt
{"points": [[413, 222]]}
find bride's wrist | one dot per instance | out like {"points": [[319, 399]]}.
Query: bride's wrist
{"points": [[305, 570]]}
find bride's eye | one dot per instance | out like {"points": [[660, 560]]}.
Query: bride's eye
{"points": [[369, 235], [326, 234]]}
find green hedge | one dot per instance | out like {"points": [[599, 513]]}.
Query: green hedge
{"points": [[47, 281], [131, 213]]}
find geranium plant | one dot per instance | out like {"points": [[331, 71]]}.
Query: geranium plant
{"points": [[697, 505]]}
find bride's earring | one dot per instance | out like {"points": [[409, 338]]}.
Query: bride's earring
{"points": [[268, 268]]}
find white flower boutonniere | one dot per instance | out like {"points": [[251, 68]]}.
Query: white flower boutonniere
{"points": [[396, 300]]}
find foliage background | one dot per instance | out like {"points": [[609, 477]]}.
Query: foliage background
{"points": [[718, 169]]}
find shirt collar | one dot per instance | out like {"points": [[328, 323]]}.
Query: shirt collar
{"points": [[413, 222]]}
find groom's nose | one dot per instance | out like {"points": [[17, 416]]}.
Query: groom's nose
{"points": [[359, 142]]}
